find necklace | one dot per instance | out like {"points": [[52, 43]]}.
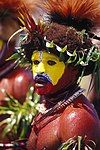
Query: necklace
{"points": [[61, 104]]}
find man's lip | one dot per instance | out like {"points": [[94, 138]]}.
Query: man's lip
{"points": [[39, 85], [41, 81]]}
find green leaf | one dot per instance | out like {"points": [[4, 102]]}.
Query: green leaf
{"points": [[95, 56], [20, 115], [24, 129], [64, 49], [13, 57], [80, 59], [72, 57], [79, 142], [9, 126], [50, 44], [36, 98], [66, 145], [4, 112], [82, 74], [5, 121], [89, 55]]}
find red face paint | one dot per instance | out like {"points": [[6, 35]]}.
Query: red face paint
{"points": [[45, 89], [69, 76]]}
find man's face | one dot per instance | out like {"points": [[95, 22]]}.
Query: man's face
{"points": [[47, 70]]}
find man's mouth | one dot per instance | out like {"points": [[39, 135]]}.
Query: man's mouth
{"points": [[41, 82]]}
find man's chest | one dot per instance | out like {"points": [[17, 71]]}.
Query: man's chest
{"points": [[45, 135]]}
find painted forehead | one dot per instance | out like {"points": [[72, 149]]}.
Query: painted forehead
{"points": [[44, 55]]}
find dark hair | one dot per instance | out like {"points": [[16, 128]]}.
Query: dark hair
{"points": [[61, 35]]}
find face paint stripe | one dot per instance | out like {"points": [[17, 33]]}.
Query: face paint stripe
{"points": [[40, 56], [43, 76], [54, 72]]}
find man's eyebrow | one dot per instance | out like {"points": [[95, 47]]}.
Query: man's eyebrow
{"points": [[52, 58]]}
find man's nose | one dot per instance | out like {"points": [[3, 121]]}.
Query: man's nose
{"points": [[41, 68]]}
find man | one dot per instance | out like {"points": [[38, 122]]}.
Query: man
{"points": [[60, 55]]}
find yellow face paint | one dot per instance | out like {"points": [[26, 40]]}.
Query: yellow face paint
{"points": [[49, 64], [1, 44]]}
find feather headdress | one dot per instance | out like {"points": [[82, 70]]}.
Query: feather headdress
{"points": [[68, 33], [78, 13], [11, 7], [9, 12], [9, 24]]}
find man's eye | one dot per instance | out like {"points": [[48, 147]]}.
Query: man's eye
{"points": [[51, 62], [36, 62]]}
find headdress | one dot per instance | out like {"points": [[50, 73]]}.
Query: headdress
{"points": [[68, 33], [10, 8], [9, 23]]}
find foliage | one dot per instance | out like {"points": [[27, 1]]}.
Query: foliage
{"points": [[20, 57], [77, 57], [20, 115], [78, 143]]}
